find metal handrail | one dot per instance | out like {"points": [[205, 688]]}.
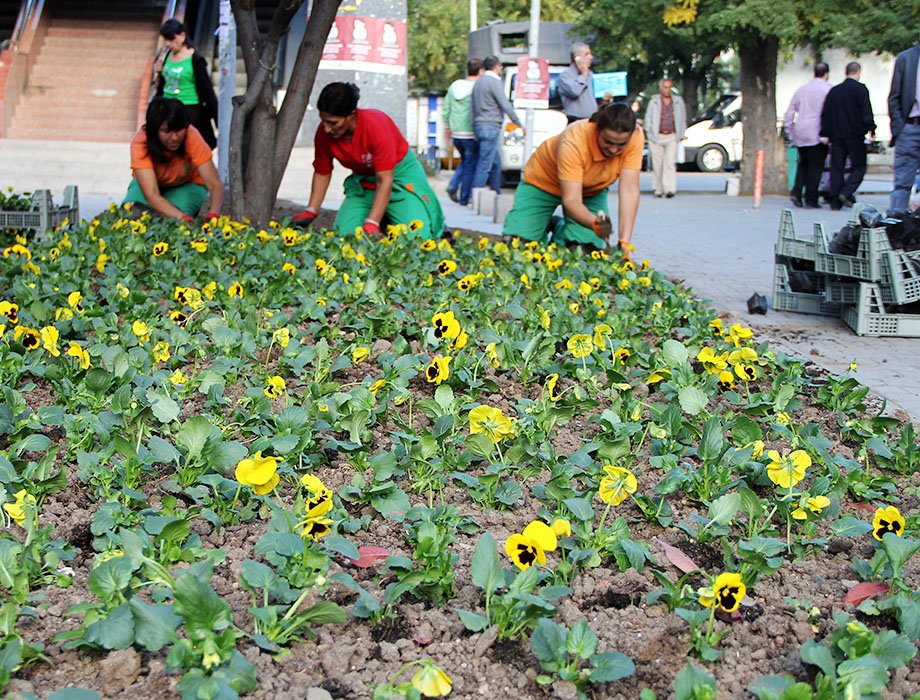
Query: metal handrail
{"points": [[25, 13]]}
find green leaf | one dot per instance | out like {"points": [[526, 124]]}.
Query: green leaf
{"points": [[850, 527], [746, 431], [154, 625], [480, 445], [893, 649], [255, 574], [783, 397], [899, 551], [164, 408], [580, 508], [325, 612], [693, 683], [609, 666], [9, 564], [581, 640], [486, 568], [692, 400], [724, 508], [340, 545], [199, 606], [36, 442], [818, 655], [193, 435], [862, 677], [472, 621], [74, 694], [548, 641], [710, 448], [770, 687], [114, 631], [393, 502], [110, 577], [674, 353]]}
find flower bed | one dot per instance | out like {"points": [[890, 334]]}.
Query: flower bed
{"points": [[241, 461]]}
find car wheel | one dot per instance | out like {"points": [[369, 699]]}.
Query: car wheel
{"points": [[711, 158]]}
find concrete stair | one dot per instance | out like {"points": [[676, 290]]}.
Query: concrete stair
{"points": [[86, 80]]}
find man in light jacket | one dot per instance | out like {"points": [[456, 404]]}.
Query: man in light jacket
{"points": [[803, 124], [904, 109], [458, 117], [665, 124]]}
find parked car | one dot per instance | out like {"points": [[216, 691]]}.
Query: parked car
{"points": [[714, 139]]}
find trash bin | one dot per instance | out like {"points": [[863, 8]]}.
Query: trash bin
{"points": [[792, 162]]}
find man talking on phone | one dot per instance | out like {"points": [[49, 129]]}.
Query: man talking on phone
{"points": [[576, 84]]}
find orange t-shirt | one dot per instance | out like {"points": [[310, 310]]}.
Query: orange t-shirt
{"points": [[178, 170], [574, 156]]}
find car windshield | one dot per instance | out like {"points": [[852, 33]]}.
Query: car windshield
{"points": [[714, 108]]}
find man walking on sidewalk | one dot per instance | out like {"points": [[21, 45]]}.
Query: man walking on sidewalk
{"points": [[803, 124], [459, 119], [665, 123], [489, 104], [845, 120], [904, 109]]}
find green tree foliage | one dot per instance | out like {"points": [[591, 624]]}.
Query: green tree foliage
{"points": [[439, 31]]}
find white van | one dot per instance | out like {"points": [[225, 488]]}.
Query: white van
{"points": [[546, 124], [714, 139]]}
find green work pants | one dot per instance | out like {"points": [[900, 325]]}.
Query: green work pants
{"points": [[412, 200], [533, 209], [188, 197]]}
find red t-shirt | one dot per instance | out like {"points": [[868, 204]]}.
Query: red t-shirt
{"points": [[178, 170], [376, 144]]}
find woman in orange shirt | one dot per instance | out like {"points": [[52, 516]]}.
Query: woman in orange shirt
{"points": [[173, 171], [575, 169]]}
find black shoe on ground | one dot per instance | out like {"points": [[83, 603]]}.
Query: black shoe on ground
{"points": [[835, 206], [658, 195], [812, 205], [452, 194], [669, 195], [846, 201], [796, 200]]}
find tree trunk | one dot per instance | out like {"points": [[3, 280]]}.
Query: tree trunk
{"points": [[758, 56], [691, 92], [270, 135]]}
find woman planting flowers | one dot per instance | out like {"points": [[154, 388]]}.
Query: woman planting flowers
{"points": [[387, 184], [173, 171]]}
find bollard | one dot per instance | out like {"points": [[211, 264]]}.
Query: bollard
{"points": [[758, 179], [487, 203], [503, 204]]}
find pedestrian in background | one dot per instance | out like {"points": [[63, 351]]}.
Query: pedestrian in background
{"points": [[665, 124], [458, 117], [845, 119], [803, 126], [576, 84], [904, 110], [182, 74], [489, 104]]}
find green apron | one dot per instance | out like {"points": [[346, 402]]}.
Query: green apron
{"points": [[412, 200], [532, 212]]}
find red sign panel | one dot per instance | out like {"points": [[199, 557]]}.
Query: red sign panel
{"points": [[531, 87], [370, 44]]}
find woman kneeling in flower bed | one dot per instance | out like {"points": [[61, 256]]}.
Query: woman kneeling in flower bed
{"points": [[575, 169], [173, 171], [387, 181]]}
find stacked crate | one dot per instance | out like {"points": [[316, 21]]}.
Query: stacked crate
{"points": [[867, 290], [42, 215]]}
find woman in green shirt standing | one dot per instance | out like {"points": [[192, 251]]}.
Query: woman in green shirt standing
{"points": [[184, 76]]}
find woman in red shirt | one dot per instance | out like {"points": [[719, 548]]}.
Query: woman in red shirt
{"points": [[173, 171], [387, 185]]}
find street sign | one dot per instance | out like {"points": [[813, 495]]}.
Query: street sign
{"points": [[531, 87]]}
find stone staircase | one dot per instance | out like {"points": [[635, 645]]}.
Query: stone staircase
{"points": [[86, 80]]}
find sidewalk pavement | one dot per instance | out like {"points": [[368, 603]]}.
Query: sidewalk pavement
{"points": [[723, 249]]}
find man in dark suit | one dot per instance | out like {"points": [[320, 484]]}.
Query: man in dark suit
{"points": [[845, 119], [904, 110]]}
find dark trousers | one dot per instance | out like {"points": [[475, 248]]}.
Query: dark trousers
{"points": [[855, 149], [808, 172]]}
